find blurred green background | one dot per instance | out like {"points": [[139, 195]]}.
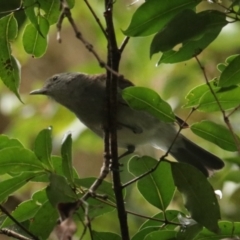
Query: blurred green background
{"points": [[172, 82]]}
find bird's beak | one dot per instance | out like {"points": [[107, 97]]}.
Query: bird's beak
{"points": [[39, 92]]}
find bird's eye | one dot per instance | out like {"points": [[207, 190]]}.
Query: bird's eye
{"points": [[55, 78]]}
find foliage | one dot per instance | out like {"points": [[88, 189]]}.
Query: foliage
{"points": [[181, 31]]}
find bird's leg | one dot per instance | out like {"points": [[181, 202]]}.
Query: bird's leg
{"points": [[130, 149]]}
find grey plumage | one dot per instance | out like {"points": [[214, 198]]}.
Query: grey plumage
{"points": [[85, 96]]}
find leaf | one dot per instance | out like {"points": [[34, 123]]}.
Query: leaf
{"points": [[184, 26], [51, 9], [192, 47], [18, 160], [44, 221], [43, 147], [6, 142], [231, 74], [59, 190], [57, 169], [199, 196], [145, 99], [151, 16], [156, 191], [32, 9], [232, 176], [9, 67], [228, 98], [227, 230], [141, 234], [215, 133], [11, 185], [163, 235], [105, 235], [66, 152], [195, 94], [35, 42], [27, 210], [221, 67]]}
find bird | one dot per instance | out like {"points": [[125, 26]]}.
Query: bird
{"points": [[85, 96]]}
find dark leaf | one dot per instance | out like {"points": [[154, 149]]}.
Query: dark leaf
{"points": [[199, 196]]}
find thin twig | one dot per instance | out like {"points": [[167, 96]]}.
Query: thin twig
{"points": [[17, 223], [233, 111], [13, 234], [134, 213], [67, 13], [225, 117], [124, 44], [182, 126], [96, 18]]}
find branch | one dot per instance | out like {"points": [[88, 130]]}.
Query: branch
{"points": [[96, 18], [17, 223], [13, 234], [111, 91], [67, 13]]}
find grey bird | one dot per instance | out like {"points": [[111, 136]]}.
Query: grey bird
{"points": [[85, 96]]}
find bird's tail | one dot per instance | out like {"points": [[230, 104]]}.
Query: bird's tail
{"points": [[189, 152]]}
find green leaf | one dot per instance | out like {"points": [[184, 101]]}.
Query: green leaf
{"points": [[18, 160], [9, 67], [44, 221], [59, 190], [221, 67], [141, 234], [163, 235], [232, 176], [199, 196], [151, 16], [228, 98], [43, 147], [145, 99], [235, 160], [105, 235], [66, 152], [156, 191], [227, 230], [35, 43], [184, 26], [57, 169], [32, 9], [192, 47], [51, 9], [6, 142], [28, 209], [215, 133], [231, 74], [195, 94], [231, 58], [11, 185]]}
